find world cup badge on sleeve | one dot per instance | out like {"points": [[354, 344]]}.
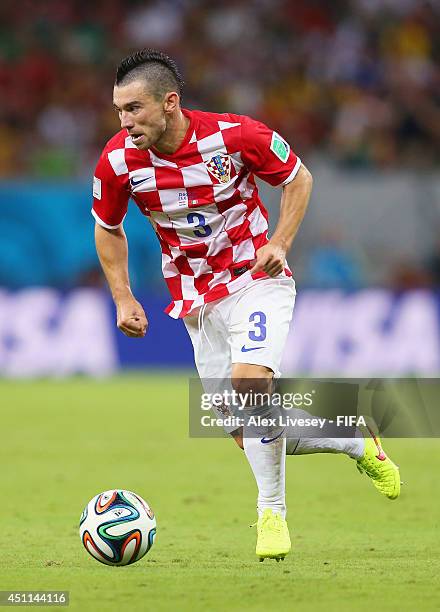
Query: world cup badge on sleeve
{"points": [[220, 167]]}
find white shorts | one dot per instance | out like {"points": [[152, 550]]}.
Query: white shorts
{"points": [[249, 326]]}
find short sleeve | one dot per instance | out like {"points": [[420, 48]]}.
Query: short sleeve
{"points": [[267, 154], [110, 197]]}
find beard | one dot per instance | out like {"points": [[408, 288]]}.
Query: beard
{"points": [[150, 138]]}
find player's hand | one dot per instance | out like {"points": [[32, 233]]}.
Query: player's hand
{"points": [[131, 319], [271, 258]]}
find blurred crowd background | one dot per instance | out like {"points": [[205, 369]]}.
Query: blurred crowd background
{"points": [[354, 85]]}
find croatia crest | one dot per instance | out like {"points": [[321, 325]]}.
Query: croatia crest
{"points": [[220, 167]]}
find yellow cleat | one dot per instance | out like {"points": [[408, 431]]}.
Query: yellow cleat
{"points": [[379, 467], [273, 540]]}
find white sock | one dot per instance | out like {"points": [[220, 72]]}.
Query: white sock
{"points": [[268, 465], [321, 440], [353, 447]]}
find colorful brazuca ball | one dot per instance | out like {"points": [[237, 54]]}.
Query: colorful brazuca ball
{"points": [[117, 527]]}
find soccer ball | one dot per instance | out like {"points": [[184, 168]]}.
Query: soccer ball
{"points": [[117, 527]]}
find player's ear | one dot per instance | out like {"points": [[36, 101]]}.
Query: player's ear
{"points": [[171, 101]]}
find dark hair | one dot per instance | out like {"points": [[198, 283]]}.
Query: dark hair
{"points": [[155, 67]]}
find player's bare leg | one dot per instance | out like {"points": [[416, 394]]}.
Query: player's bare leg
{"points": [[266, 456]]}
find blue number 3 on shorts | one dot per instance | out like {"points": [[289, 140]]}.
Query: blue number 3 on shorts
{"points": [[258, 334]]}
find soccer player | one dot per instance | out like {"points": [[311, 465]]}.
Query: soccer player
{"points": [[191, 173]]}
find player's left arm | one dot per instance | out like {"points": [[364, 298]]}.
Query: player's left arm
{"points": [[294, 201]]}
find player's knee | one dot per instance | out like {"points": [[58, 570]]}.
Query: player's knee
{"points": [[249, 387], [250, 379]]}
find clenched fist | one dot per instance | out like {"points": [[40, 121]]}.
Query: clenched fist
{"points": [[271, 258], [131, 319]]}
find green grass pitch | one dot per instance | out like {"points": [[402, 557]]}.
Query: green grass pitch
{"points": [[64, 441]]}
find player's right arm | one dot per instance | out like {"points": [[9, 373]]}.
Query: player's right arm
{"points": [[110, 203], [112, 249]]}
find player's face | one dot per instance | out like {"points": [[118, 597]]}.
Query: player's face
{"points": [[140, 113]]}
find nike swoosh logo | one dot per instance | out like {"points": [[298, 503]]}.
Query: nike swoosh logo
{"points": [[267, 440], [245, 349], [381, 455], [134, 183]]}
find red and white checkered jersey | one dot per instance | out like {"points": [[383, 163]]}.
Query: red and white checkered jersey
{"points": [[202, 201]]}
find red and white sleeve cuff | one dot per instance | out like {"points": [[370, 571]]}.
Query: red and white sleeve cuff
{"points": [[293, 173], [106, 225]]}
